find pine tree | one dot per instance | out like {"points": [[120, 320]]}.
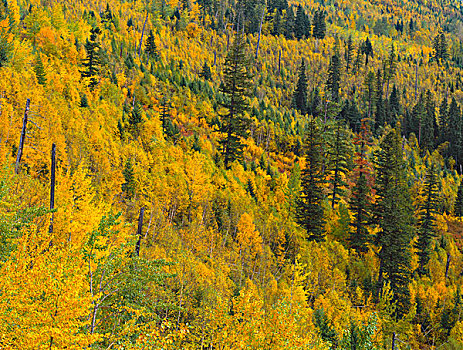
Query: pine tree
{"points": [[454, 131], [394, 106], [309, 208], [236, 83], [276, 23], [289, 24], [338, 155], [319, 30], [380, 113], [458, 207], [334, 76], [427, 220], [92, 62], [428, 124], [440, 48], [129, 185], [390, 68], [39, 70], [367, 50], [314, 105], [443, 121], [393, 214], [150, 46], [349, 53], [83, 101], [361, 200], [300, 27], [206, 72], [300, 94]]}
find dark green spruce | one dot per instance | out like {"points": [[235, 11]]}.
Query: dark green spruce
{"points": [[235, 87]]}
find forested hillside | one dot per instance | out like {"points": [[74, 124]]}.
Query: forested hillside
{"points": [[218, 174]]}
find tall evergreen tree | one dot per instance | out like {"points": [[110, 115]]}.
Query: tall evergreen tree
{"points": [[39, 70], [367, 50], [276, 23], [301, 23], [150, 46], [427, 220], [454, 131], [314, 104], [289, 23], [458, 207], [338, 155], [393, 214], [394, 106], [443, 121], [349, 53], [319, 25], [428, 124], [309, 208], [361, 201], [235, 87], [92, 62], [300, 94], [334, 76], [380, 112], [129, 180], [206, 72]]}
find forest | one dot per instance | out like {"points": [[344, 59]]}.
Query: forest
{"points": [[231, 174]]}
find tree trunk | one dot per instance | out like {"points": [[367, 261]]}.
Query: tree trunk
{"points": [[142, 33], [139, 231], [52, 185], [23, 137], [260, 32]]}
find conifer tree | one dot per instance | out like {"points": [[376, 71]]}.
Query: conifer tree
{"points": [[454, 131], [92, 62], [236, 83], [443, 121], [458, 207], [301, 23], [319, 30], [39, 70], [150, 46], [289, 24], [394, 106], [367, 50], [427, 220], [300, 94], [309, 208], [393, 214], [334, 76], [206, 72], [380, 113], [428, 124], [314, 105], [276, 23], [349, 53], [128, 187], [338, 154], [361, 201]]}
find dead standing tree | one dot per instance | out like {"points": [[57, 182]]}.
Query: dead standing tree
{"points": [[23, 137]]}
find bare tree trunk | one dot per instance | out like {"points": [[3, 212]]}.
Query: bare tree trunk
{"points": [[52, 185], [139, 232], [142, 33], [23, 136], [393, 341], [279, 61], [416, 80], [260, 32], [447, 265], [215, 58]]}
